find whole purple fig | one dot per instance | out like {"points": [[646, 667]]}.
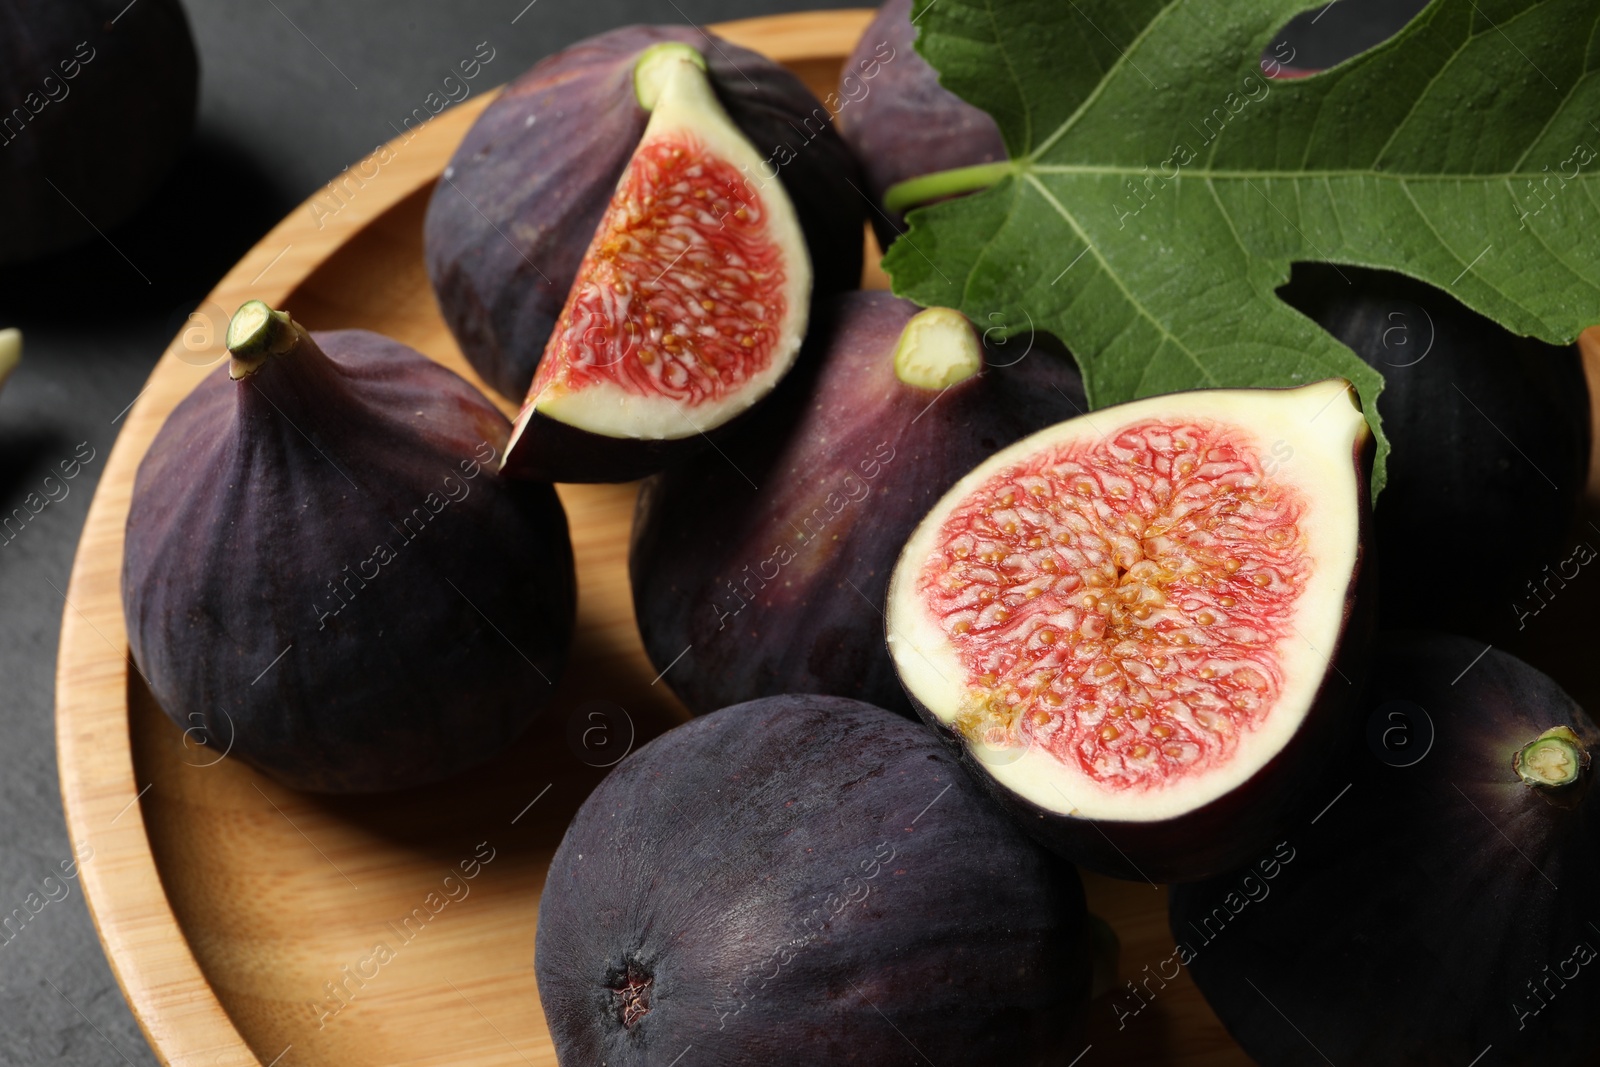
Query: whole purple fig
{"points": [[523, 197], [761, 568], [900, 121], [1439, 903], [326, 576], [806, 880]]}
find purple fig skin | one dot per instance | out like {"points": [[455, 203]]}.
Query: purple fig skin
{"points": [[253, 531], [523, 195], [113, 88], [1241, 824], [1434, 907], [777, 880], [848, 442], [900, 122]]}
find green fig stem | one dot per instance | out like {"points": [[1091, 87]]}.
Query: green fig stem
{"points": [[1554, 761], [937, 349], [902, 196], [656, 66], [256, 333], [10, 352]]}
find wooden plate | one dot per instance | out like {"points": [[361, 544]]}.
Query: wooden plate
{"points": [[244, 921]]}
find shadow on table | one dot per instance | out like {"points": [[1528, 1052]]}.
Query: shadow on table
{"points": [[212, 208]]}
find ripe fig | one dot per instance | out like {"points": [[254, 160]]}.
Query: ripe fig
{"points": [[760, 569], [689, 306], [1140, 626], [900, 121], [1442, 902], [806, 880], [1491, 448], [96, 99], [324, 574], [533, 180]]}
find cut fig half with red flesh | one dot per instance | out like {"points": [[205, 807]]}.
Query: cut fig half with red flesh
{"points": [[1142, 627], [689, 306]]}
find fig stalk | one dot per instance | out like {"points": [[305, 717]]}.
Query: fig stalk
{"points": [[1552, 762], [658, 65], [257, 332], [914, 192], [937, 349]]}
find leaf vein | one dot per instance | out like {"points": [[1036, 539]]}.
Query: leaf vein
{"points": [[1091, 170], [1212, 189], [1423, 215], [1088, 101], [1011, 71], [1555, 113], [1134, 302], [1333, 205], [1422, 95]]}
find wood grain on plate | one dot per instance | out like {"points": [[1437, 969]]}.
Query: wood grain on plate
{"points": [[250, 925]]}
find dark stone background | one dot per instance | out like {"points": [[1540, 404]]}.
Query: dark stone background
{"points": [[278, 118]]}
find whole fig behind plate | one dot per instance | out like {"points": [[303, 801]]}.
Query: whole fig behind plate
{"points": [[96, 99], [326, 576]]}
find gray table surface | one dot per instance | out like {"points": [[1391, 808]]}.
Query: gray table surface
{"points": [[292, 90]]}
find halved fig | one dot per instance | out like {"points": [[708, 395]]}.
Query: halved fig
{"points": [[689, 306], [768, 559], [1137, 624]]}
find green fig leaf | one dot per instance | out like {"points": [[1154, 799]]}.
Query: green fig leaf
{"points": [[1160, 186]]}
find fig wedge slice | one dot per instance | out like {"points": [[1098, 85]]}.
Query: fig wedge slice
{"points": [[688, 307], [1140, 625]]}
